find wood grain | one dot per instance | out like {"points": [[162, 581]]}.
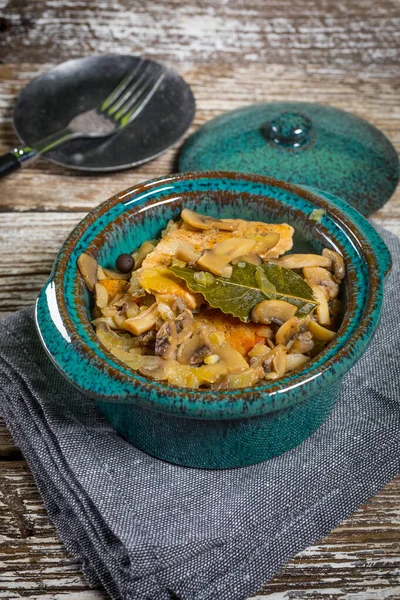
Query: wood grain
{"points": [[342, 35], [344, 53], [358, 560], [50, 200]]}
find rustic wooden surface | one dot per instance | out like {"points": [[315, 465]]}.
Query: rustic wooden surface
{"points": [[342, 53]]}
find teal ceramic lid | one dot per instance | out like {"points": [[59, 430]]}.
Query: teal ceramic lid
{"points": [[302, 143]]}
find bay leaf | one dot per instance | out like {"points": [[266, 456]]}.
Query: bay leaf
{"points": [[290, 287], [239, 294], [235, 296]]}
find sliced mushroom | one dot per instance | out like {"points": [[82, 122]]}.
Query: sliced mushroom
{"points": [[194, 350], [295, 361], [267, 242], [184, 326], [279, 362], [140, 254], [321, 333], [217, 260], [288, 330], [234, 247], [322, 306], [129, 357], [166, 340], [100, 273], [263, 360], [273, 311], [110, 274], [110, 339], [147, 340], [131, 309], [339, 269], [153, 366], [186, 252], [322, 278], [199, 221], [243, 379], [135, 289], [124, 306], [101, 295], [303, 343], [218, 265], [335, 307], [253, 259], [299, 261], [143, 322], [88, 268], [231, 358], [108, 320]]}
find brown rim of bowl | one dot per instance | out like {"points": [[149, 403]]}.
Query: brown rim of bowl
{"points": [[270, 389]]}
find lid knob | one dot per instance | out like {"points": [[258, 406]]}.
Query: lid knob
{"points": [[289, 130]]}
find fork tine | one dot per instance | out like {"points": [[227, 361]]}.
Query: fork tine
{"points": [[134, 105], [133, 87], [122, 86]]}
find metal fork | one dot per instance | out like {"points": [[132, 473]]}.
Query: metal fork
{"points": [[119, 109]]}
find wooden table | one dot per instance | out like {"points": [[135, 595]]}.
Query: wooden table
{"points": [[342, 53]]}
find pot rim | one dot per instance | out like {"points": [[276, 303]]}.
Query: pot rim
{"points": [[241, 402]]}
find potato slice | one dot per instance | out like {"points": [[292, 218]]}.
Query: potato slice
{"points": [[339, 269]]}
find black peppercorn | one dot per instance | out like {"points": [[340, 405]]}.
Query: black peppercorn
{"points": [[124, 263]]}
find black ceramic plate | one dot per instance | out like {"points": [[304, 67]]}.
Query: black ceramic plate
{"points": [[49, 102]]}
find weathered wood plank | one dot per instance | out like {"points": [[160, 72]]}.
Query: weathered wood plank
{"points": [[29, 250], [47, 187], [233, 53], [357, 556], [343, 35]]}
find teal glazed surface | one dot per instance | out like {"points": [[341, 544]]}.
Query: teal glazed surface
{"points": [[206, 428], [302, 143]]}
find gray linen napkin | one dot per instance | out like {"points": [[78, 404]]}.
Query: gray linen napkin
{"points": [[149, 530]]}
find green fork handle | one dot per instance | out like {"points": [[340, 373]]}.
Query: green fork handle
{"points": [[13, 160]]}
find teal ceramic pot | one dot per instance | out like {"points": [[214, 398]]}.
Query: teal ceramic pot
{"points": [[212, 429]]}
